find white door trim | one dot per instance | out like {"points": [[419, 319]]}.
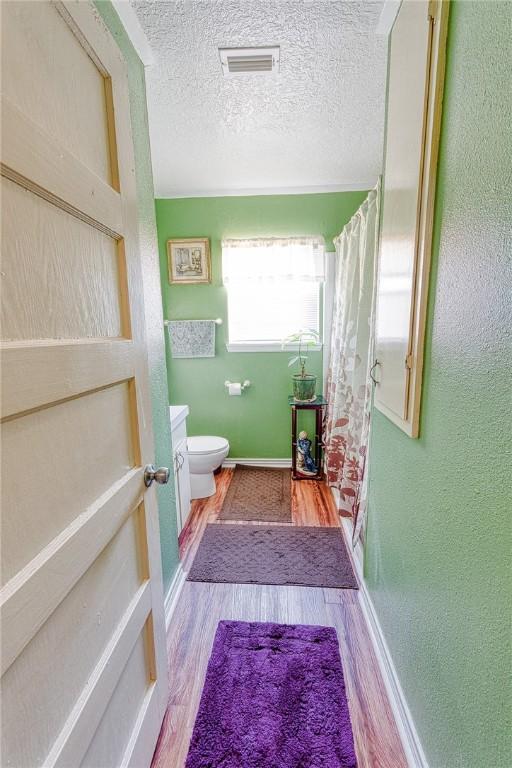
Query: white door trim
{"points": [[173, 594]]}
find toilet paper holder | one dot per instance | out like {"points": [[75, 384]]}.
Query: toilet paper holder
{"points": [[243, 386]]}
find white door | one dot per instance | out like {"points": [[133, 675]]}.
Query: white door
{"points": [[84, 673]]}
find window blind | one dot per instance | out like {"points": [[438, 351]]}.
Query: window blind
{"points": [[273, 287]]}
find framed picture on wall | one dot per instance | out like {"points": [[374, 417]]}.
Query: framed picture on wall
{"points": [[189, 260]]}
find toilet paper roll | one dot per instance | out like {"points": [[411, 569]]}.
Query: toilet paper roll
{"points": [[235, 388]]}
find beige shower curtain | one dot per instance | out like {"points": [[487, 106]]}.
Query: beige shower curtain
{"points": [[348, 389]]}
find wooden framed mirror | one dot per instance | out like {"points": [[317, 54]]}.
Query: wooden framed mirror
{"points": [[414, 100]]}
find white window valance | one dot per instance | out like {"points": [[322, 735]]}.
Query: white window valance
{"points": [[273, 258]]}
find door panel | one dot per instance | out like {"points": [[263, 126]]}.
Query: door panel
{"points": [[107, 747], [84, 671], [51, 79], [59, 487], [45, 678], [40, 299]]}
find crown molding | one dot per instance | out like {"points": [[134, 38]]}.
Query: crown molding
{"points": [[358, 186]]}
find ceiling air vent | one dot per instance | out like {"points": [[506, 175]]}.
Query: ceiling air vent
{"points": [[244, 61]]}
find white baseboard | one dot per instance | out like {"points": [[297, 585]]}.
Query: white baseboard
{"points": [[357, 552], [173, 593], [401, 712], [275, 463]]}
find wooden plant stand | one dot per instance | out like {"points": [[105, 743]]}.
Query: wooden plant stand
{"points": [[318, 406]]}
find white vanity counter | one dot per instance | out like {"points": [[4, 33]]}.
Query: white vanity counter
{"points": [[178, 414]]}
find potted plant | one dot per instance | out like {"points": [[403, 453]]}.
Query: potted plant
{"points": [[304, 384]]}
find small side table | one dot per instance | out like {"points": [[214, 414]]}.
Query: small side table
{"points": [[318, 406]]}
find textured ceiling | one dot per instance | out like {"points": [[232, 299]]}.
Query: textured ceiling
{"points": [[318, 123]]}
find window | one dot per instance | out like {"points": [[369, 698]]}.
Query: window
{"points": [[273, 289]]}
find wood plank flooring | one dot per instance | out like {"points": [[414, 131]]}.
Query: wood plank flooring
{"points": [[201, 606]]}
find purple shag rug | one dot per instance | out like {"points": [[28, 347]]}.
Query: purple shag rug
{"points": [[274, 697]]}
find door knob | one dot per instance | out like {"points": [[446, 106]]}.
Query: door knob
{"points": [[161, 475]]}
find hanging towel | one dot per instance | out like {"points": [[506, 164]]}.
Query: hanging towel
{"points": [[192, 338]]}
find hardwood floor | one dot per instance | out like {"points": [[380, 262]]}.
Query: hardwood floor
{"points": [[201, 606]]}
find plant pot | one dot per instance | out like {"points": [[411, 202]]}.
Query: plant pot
{"points": [[304, 387]]}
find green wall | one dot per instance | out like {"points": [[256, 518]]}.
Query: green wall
{"points": [[152, 290], [258, 423], [438, 547]]}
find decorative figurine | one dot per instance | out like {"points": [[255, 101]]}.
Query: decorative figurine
{"points": [[305, 463]]}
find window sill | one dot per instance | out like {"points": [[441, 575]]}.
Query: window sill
{"points": [[269, 346]]}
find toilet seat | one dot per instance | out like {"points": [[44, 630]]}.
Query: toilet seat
{"points": [[203, 445]]}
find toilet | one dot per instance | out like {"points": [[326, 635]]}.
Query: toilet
{"points": [[205, 454]]}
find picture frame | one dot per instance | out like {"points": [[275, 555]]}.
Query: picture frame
{"points": [[189, 261]]}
